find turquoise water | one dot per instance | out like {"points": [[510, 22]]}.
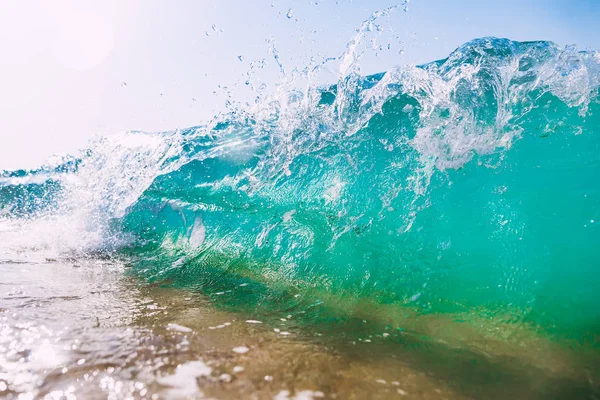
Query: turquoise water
{"points": [[467, 186]]}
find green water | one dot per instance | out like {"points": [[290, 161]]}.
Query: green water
{"points": [[482, 196], [453, 207]]}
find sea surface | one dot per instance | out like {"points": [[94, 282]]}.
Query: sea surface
{"points": [[429, 232]]}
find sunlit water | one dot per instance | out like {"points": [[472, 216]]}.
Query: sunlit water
{"points": [[88, 329], [428, 232]]}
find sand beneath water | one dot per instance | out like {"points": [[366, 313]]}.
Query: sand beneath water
{"points": [[87, 329]]}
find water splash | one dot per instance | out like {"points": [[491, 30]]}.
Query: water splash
{"points": [[444, 186]]}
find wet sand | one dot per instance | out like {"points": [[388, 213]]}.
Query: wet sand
{"points": [[89, 329]]}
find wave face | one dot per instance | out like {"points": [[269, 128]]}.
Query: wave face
{"points": [[470, 183]]}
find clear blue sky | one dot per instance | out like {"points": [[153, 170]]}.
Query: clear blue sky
{"points": [[63, 63]]}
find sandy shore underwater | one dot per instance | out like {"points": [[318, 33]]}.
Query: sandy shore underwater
{"points": [[89, 329]]}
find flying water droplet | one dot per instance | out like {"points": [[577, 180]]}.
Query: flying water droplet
{"points": [[123, 84], [290, 13], [241, 58]]}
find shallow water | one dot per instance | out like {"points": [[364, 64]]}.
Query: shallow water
{"points": [[88, 328]]}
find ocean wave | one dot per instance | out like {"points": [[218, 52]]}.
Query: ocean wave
{"points": [[465, 182]]}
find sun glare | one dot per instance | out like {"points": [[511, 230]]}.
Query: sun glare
{"points": [[83, 40]]}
